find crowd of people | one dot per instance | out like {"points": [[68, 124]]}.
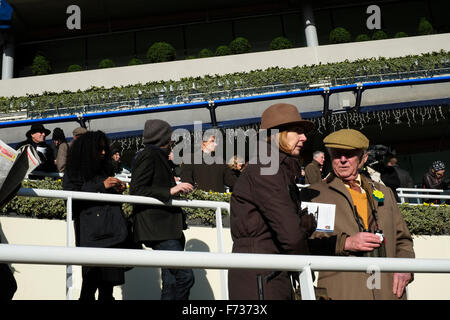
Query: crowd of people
{"points": [[266, 214]]}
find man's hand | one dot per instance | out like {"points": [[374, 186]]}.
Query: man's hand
{"points": [[112, 182], [362, 241], [183, 187], [401, 280], [308, 222]]}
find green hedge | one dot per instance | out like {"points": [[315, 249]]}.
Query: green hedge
{"points": [[426, 219], [228, 82], [421, 220]]}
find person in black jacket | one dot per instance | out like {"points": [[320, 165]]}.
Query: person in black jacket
{"points": [[208, 177], [97, 224], [160, 227], [36, 138]]}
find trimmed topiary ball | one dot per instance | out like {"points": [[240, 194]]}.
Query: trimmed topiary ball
{"points": [[161, 52]]}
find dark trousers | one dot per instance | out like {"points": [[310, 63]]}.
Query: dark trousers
{"points": [[176, 283], [92, 281]]}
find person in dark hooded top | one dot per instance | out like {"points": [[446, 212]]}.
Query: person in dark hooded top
{"points": [[160, 227]]}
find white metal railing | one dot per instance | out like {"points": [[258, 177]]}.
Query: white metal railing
{"points": [[411, 193], [45, 174], [143, 258], [78, 195], [127, 257], [416, 193]]}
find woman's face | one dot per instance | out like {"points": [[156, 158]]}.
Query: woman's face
{"points": [[440, 173], [102, 148], [295, 138]]}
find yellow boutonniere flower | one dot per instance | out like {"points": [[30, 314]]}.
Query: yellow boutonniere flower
{"points": [[378, 195]]}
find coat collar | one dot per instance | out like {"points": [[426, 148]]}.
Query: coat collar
{"points": [[161, 154], [337, 185]]}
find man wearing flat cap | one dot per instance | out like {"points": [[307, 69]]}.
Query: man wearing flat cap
{"points": [[36, 138], [368, 223]]}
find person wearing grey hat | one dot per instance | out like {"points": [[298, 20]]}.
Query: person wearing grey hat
{"points": [[160, 227], [368, 223], [266, 214], [78, 132], [36, 138]]}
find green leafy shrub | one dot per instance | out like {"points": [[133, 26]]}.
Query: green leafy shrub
{"points": [[379, 35], [280, 43], [401, 34], [426, 219], [223, 50], [209, 83], [134, 62], [340, 35], [40, 65], [240, 45], [74, 68], [38, 207], [201, 215], [425, 27], [161, 52], [189, 57], [362, 37], [205, 53], [106, 63]]}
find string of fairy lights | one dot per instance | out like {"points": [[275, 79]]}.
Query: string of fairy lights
{"points": [[413, 116]]}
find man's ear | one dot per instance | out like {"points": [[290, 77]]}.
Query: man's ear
{"points": [[363, 159]]}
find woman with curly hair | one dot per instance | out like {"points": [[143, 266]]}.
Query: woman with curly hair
{"points": [[97, 224]]}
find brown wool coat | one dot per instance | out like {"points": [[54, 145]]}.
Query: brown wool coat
{"points": [[313, 173], [399, 244], [264, 219]]}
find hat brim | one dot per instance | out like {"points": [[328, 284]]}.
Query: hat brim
{"points": [[30, 132], [307, 126], [340, 146]]}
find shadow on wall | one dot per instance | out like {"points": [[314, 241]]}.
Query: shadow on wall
{"points": [[145, 283]]}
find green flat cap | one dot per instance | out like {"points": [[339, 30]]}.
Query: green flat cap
{"points": [[346, 139]]}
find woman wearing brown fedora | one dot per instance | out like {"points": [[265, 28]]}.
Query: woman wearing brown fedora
{"points": [[266, 209]]}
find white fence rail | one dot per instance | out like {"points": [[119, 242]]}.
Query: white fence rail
{"points": [[77, 195], [403, 193], [144, 258], [122, 257], [413, 193]]}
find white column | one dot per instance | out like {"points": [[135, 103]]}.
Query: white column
{"points": [[310, 26], [8, 60]]}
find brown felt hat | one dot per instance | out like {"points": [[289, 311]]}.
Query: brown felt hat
{"points": [[282, 115], [346, 139]]}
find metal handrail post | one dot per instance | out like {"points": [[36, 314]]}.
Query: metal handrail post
{"points": [[221, 249], [307, 284], [69, 268], [400, 195]]}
